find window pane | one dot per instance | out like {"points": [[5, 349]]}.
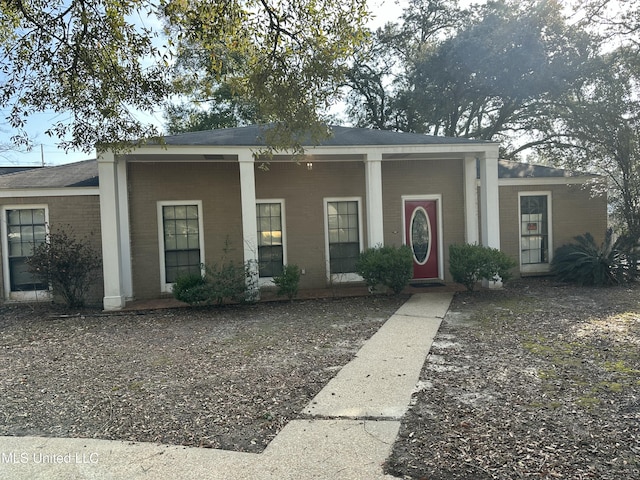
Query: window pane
{"points": [[38, 216], [26, 228], [193, 242], [26, 217], [26, 234], [181, 241], [181, 211], [192, 212], [170, 242], [13, 217], [534, 229], [39, 233], [168, 213], [265, 224], [192, 227], [270, 252]]}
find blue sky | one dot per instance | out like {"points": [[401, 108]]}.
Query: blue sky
{"points": [[44, 147]]}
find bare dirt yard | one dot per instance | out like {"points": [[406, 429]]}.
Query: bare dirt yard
{"points": [[228, 377], [540, 380]]}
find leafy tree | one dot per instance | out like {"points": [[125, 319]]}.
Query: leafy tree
{"points": [[492, 72], [596, 130], [102, 61]]}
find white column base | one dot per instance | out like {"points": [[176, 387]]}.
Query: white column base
{"points": [[113, 303]]}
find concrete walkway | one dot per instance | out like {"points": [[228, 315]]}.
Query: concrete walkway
{"points": [[351, 425]]}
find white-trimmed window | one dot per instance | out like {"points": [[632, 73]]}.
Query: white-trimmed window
{"points": [[271, 237], [24, 227], [535, 231], [181, 240], [343, 232]]}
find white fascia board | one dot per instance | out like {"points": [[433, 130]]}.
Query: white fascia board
{"points": [[141, 154], [447, 148], [516, 182], [50, 192]]}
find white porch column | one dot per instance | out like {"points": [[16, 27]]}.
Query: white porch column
{"points": [[489, 199], [373, 176], [125, 239], [114, 295], [472, 231], [249, 222]]}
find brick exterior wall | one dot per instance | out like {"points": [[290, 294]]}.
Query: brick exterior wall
{"points": [[217, 185], [304, 192], [574, 211], [81, 213]]}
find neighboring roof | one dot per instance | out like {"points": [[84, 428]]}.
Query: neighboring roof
{"points": [[77, 174], [509, 169], [252, 136], [7, 170]]}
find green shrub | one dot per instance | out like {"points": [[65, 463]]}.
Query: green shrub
{"points": [[223, 281], [587, 263], [389, 266], [288, 281], [470, 263], [192, 289], [68, 264], [230, 281]]}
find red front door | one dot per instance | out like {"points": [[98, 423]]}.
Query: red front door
{"points": [[421, 235]]}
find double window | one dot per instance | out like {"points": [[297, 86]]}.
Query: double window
{"points": [[344, 236], [25, 229], [271, 248], [180, 239]]}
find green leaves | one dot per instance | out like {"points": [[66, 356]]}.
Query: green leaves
{"points": [[588, 263], [68, 263], [99, 64], [387, 265], [470, 263]]}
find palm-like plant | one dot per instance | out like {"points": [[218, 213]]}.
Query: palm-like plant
{"points": [[587, 263]]}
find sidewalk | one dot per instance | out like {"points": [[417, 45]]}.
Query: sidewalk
{"points": [[351, 426]]}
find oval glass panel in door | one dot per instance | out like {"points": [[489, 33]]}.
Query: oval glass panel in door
{"points": [[420, 235]]}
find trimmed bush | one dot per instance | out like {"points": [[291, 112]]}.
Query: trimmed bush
{"points": [[470, 263], [288, 281], [68, 264], [224, 281], [192, 289], [389, 266], [587, 263]]}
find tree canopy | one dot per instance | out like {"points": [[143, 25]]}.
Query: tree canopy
{"points": [[98, 63], [555, 83]]}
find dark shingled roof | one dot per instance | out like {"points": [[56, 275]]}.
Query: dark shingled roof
{"points": [[78, 174], [509, 169], [7, 170], [252, 136]]}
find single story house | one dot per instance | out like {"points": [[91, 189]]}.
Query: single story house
{"points": [[165, 209]]}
